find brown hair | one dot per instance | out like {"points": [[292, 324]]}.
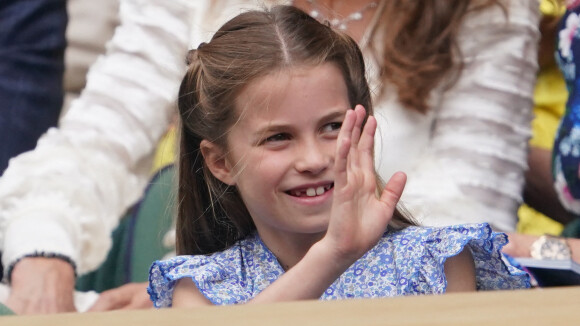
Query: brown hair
{"points": [[415, 45], [211, 214]]}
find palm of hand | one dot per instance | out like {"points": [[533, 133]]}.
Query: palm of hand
{"points": [[359, 216]]}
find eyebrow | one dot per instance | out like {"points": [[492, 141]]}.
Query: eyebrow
{"points": [[274, 127]]}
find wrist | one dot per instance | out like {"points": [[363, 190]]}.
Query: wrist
{"points": [[48, 260], [330, 255], [550, 247], [31, 235], [41, 285]]}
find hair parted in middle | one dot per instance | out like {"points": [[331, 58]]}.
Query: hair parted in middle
{"points": [[211, 214]]}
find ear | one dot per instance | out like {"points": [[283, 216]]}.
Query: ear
{"points": [[215, 159]]}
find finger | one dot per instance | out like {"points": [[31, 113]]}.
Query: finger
{"points": [[140, 302], [110, 300], [104, 303], [360, 116], [343, 147], [367, 137], [140, 298], [353, 158], [393, 190], [366, 144]]}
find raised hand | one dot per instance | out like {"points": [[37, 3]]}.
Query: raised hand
{"points": [[359, 214]]}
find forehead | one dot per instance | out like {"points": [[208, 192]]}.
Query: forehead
{"points": [[294, 90]]}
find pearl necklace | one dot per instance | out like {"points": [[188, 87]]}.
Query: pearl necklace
{"points": [[335, 22]]}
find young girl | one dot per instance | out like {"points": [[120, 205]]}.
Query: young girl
{"points": [[278, 196]]}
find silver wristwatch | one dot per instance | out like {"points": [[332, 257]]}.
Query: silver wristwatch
{"points": [[550, 247]]}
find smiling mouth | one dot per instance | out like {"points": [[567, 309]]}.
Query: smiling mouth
{"points": [[311, 191]]}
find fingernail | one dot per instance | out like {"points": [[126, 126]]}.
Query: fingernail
{"points": [[400, 175]]}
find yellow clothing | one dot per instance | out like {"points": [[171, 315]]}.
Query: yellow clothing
{"points": [[552, 8], [165, 152], [550, 97]]}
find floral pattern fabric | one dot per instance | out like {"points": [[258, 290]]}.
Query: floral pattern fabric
{"points": [[566, 158], [406, 262]]}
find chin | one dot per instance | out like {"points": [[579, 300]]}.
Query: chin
{"points": [[317, 227]]}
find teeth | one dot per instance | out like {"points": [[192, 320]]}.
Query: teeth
{"points": [[311, 192]]}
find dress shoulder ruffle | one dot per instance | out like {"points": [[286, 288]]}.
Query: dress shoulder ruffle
{"points": [[204, 271], [492, 270]]}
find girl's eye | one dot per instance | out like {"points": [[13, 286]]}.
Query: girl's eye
{"points": [[277, 138], [332, 127]]}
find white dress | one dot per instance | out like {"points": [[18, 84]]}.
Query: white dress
{"points": [[465, 158]]}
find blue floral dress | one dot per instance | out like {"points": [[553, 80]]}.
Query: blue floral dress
{"points": [[405, 262], [566, 159]]}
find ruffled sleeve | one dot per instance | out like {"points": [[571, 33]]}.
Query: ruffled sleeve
{"points": [[219, 282], [492, 270]]}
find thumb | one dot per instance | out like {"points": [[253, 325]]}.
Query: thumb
{"points": [[393, 190]]}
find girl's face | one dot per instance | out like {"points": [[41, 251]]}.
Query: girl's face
{"points": [[281, 150]]}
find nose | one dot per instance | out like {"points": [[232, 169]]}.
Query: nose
{"points": [[314, 157]]}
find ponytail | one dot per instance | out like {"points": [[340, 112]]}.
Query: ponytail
{"points": [[204, 202]]}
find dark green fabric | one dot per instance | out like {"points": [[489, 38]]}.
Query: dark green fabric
{"points": [[138, 240], [572, 229], [111, 273], [154, 220], [5, 311]]}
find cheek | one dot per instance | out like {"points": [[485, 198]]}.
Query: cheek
{"points": [[270, 165], [261, 166], [330, 147]]}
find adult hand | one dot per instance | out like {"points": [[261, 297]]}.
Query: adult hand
{"points": [[519, 244], [128, 296], [41, 285], [359, 216]]}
